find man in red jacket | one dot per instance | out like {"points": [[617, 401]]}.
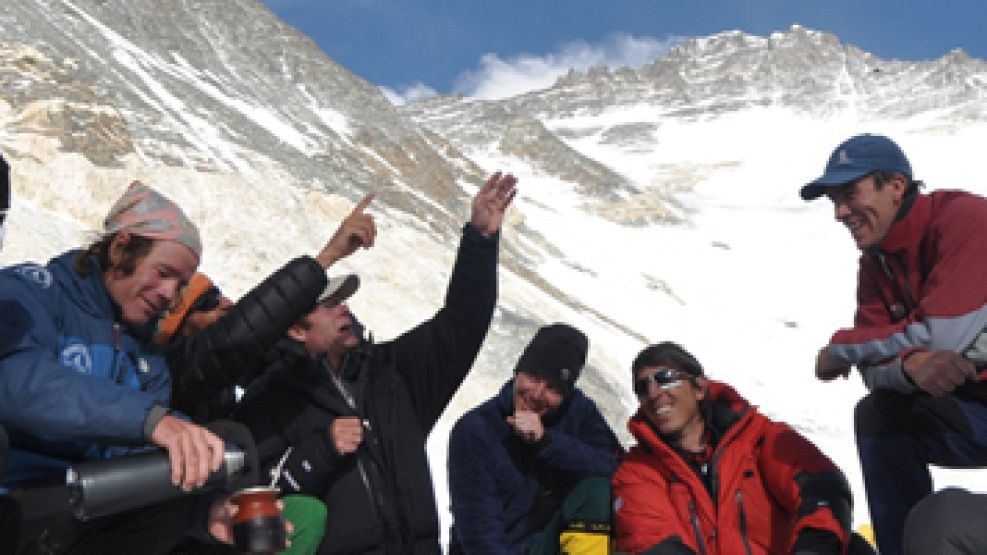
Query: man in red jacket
{"points": [[710, 475], [918, 334]]}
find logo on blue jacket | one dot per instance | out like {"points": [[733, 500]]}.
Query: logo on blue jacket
{"points": [[35, 273], [77, 357]]}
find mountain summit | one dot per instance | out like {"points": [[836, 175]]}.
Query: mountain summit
{"points": [[654, 203]]}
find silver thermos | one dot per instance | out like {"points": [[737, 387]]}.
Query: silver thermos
{"points": [[105, 487]]}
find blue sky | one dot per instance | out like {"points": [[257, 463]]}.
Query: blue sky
{"points": [[494, 48]]}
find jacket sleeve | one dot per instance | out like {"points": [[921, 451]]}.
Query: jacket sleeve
{"points": [[806, 483], [312, 463], [645, 520], [310, 466], [434, 357], [476, 509], [40, 395], [952, 305], [872, 313], [232, 349], [592, 451]]}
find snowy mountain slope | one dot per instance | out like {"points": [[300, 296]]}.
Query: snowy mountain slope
{"points": [[654, 204]]}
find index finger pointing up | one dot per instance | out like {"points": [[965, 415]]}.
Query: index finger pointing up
{"points": [[362, 205]]}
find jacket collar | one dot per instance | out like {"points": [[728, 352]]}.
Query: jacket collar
{"points": [[89, 292], [724, 410], [901, 236]]}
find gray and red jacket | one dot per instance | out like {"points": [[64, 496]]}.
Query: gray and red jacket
{"points": [[923, 288]]}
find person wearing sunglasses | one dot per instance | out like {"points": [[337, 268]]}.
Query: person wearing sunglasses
{"points": [[522, 464], [711, 475]]}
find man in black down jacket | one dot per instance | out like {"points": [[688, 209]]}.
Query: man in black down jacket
{"points": [[214, 345], [343, 419]]}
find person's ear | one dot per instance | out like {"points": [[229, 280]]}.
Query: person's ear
{"points": [[898, 184], [702, 387], [297, 332], [118, 248]]}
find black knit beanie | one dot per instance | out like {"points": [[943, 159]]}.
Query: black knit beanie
{"points": [[556, 353]]}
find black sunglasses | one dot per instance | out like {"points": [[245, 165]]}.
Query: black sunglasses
{"points": [[667, 378], [207, 301]]}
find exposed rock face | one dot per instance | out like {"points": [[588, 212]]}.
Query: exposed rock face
{"points": [[268, 143], [217, 86]]}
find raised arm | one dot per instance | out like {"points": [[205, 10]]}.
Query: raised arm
{"points": [[434, 357], [220, 355]]}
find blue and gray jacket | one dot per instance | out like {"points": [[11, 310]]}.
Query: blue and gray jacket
{"points": [[75, 383]]}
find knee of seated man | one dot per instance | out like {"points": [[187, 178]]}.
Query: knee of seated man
{"points": [[933, 522], [938, 511]]}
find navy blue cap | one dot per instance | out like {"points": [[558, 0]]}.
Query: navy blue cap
{"points": [[855, 158]]}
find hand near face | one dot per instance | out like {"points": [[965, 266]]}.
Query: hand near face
{"points": [[347, 434], [357, 230], [527, 425], [828, 368], [490, 203]]}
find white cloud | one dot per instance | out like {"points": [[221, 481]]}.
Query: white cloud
{"points": [[497, 78], [411, 93]]}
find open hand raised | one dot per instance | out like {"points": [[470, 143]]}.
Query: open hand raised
{"points": [[491, 201]]}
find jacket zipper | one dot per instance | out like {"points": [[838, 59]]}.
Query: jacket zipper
{"points": [[903, 286], [906, 284], [116, 354], [743, 523], [695, 527], [376, 502]]}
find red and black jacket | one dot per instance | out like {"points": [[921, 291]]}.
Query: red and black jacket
{"points": [[770, 489]]}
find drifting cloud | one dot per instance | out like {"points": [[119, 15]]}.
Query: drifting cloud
{"points": [[496, 78], [408, 94]]}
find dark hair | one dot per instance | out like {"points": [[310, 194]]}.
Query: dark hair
{"points": [[667, 353], [881, 177], [134, 250]]}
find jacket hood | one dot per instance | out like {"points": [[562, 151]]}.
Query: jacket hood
{"points": [[289, 363], [88, 292], [290, 366], [722, 410]]}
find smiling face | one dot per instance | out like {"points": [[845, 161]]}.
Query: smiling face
{"points": [[868, 210], [671, 404], [153, 285], [535, 394]]}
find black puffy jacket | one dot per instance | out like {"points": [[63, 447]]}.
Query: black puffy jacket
{"points": [[379, 499], [206, 365]]}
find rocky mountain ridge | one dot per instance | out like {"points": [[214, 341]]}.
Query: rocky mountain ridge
{"points": [[630, 222]]}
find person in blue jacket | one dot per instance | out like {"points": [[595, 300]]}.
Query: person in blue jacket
{"points": [[81, 378], [522, 464]]}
